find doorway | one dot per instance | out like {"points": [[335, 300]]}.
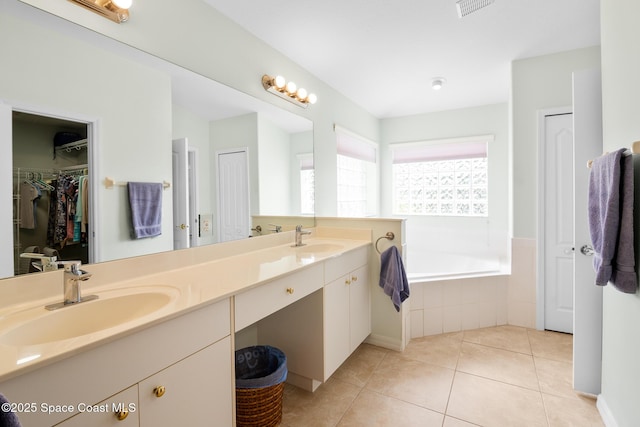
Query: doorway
{"points": [[234, 220], [587, 297], [186, 223], [557, 198], [51, 189]]}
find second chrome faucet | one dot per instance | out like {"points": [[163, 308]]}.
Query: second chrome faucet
{"points": [[299, 234]]}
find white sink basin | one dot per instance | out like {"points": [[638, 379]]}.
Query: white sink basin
{"points": [[39, 326]]}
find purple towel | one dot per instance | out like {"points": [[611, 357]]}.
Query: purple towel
{"points": [[145, 199], [8, 418], [393, 279], [611, 220]]}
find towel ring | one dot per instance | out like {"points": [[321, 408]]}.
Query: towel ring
{"points": [[388, 236]]}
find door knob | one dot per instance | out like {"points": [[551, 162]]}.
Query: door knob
{"points": [[587, 250]]}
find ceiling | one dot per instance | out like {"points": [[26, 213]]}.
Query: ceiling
{"points": [[383, 54]]}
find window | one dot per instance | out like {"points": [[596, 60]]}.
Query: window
{"points": [[357, 175], [307, 184], [444, 178]]}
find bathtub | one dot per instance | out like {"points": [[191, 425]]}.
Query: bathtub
{"points": [[423, 266], [455, 292]]}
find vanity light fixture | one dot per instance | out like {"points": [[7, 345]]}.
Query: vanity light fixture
{"points": [[116, 10], [288, 90], [437, 83]]}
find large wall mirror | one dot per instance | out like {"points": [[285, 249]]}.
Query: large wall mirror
{"points": [[82, 105]]}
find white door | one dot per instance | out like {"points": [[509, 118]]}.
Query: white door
{"points": [[6, 192], [180, 194], [587, 334], [233, 196], [558, 230], [194, 208]]}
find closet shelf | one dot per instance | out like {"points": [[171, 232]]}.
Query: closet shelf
{"points": [[76, 145]]}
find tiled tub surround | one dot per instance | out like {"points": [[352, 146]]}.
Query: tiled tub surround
{"points": [[459, 304]]}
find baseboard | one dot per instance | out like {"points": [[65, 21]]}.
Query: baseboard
{"points": [[304, 383], [384, 342], [605, 413]]}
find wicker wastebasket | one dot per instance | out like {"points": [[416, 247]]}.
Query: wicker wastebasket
{"points": [[260, 375]]}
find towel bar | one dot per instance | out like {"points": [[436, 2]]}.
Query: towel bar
{"points": [[110, 183], [388, 236]]}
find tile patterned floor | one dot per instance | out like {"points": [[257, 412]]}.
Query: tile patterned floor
{"points": [[503, 376]]}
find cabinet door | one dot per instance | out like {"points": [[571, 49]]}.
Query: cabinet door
{"points": [[197, 391], [337, 336], [360, 307], [120, 410]]}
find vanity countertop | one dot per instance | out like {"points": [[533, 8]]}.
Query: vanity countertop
{"points": [[185, 289]]}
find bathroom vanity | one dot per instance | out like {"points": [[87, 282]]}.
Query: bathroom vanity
{"points": [[174, 365]]}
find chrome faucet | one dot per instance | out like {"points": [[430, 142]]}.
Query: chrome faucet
{"points": [[73, 275], [276, 228], [299, 234]]}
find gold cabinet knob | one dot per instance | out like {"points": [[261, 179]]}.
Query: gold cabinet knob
{"points": [[159, 391], [289, 291], [121, 415], [183, 226], [354, 278], [347, 281]]}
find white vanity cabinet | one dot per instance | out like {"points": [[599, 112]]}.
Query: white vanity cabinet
{"points": [[194, 391], [120, 410], [261, 301], [190, 355], [347, 302]]}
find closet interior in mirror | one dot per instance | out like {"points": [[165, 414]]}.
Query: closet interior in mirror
{"points": [[50, 191]]}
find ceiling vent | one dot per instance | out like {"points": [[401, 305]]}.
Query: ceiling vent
{"points": [[465, 7]]}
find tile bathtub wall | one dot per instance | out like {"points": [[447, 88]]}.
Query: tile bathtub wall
{"points": [[471, 303], [458, 304]]}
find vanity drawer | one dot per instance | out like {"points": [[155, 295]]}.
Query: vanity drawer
{"points": [[339, 266], [260, 302]]}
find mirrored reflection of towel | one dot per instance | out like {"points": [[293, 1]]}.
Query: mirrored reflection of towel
{"points": [[611, 220], [393, 279], [145, 199]]}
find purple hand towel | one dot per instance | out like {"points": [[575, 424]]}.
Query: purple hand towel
{"points": [[393, 279], [145, 199], [7, 417], [611, 220]]}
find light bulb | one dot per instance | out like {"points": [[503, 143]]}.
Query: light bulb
{"points": [[301, 94], [312, 98], [279, 82], [291, 88], [122, 4]]}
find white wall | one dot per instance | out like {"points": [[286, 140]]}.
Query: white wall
{"points": [[301, 144], [274, 168], [486, 236], [621, 126], [57, 73], [538, 83]]}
